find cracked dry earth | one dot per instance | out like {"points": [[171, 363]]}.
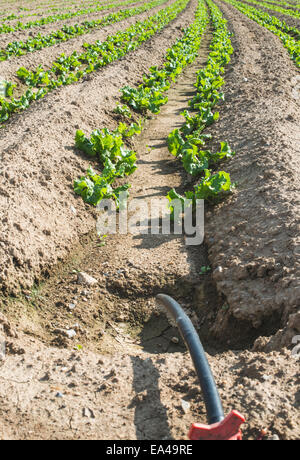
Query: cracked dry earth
{"points": [[126, 372]]}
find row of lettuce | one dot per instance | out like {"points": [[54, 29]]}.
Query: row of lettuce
{"points": [[66, 70], [110, 147], [188, 142], [34, 11], [284, 3], [285, 33], [19, 48], [185, 143], [6, 28], [271, 6]]}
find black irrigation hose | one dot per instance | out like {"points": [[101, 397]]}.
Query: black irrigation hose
{"points": [[211, 396]]}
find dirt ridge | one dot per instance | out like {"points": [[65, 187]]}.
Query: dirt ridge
{"points": [[255, 233]]}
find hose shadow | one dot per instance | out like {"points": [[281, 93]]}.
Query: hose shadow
{"points": [[150, 418]]}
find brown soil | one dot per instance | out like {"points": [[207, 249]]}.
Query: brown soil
{"points": [[137, 395], [122, 376]]}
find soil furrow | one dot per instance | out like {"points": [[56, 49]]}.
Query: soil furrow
{"points": [[42, 143], [134, 271]]}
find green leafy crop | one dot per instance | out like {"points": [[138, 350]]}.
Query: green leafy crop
{"points": [[186, 143], [288, 35], [109, 147], [95, 187], [66, 70]]}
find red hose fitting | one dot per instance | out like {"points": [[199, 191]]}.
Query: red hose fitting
{"points": [[226, 430]]}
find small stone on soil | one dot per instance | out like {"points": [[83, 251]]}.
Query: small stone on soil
{"points": [[274, 437], [71, 333], [185, 406], [84, 278]]}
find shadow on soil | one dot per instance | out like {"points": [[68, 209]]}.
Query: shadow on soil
{"points": [[150, 418]]}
